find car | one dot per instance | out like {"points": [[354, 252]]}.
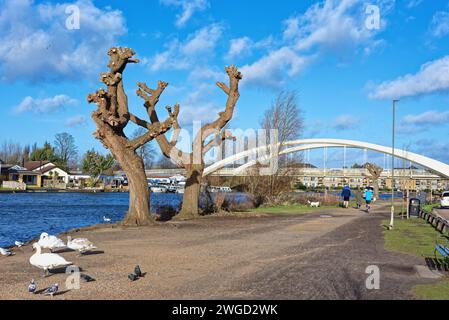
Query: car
{"points": [[445, 199]]}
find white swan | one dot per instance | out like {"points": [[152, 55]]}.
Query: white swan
{"points": [[82, 245], [50, 242], [47, 261], [105, 219]]}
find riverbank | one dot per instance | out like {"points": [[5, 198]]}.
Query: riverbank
{"points": [[265, 256], [9, 191]]}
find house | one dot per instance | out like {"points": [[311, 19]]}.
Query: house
{"points": [[17, 177], [49, 171]]}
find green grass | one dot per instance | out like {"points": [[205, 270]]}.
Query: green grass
{"points": [[417, 237], [438, 291], [290, 209], [430, 207]]}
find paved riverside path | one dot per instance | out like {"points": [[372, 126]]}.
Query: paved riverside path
{"points": [[444, 213], [322, 255]]}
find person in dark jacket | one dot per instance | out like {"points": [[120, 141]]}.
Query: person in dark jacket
{"points": [[346, 195]]}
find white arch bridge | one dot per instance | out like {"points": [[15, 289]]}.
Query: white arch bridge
{"points": [[437, 167]]}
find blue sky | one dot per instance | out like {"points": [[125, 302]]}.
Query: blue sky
{"points": [[346, 74]]}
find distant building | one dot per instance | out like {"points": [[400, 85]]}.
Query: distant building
{"points": [[49, 172], [14, 176]]}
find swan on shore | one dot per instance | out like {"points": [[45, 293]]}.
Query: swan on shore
{"points": [[47, 261], [82, 245], [19, 244], [6, 252], [50, 242]]}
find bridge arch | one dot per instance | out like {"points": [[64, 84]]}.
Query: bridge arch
{"points": [[433, 165]]}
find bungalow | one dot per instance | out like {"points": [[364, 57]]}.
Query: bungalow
{"points": [[49, 171], [18, 177]]}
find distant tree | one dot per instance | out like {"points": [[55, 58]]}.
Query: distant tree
{"points": [[65, 149], [96, 164], [147, 151], [11, 152], [165, 163], [374, 174], [46, 153], [26, 153]]}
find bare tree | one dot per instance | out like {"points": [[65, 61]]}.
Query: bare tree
{"points": [[374, 174], [11, 152], [112, 116], [284, 116], [65, 149], [193, 162], [147, 151]]}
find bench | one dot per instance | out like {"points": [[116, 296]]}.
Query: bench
{"points": [[443, 251]]}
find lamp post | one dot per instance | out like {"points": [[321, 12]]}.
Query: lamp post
{"points": [[392, 166]]}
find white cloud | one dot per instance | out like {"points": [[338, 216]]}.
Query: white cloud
{"points": [[239, 46], [37, 46], [182, 55], [427, 118], [345, 122], [76, 121], [413, 3], [189, 7], [440, 24], [270, 70], [198, 107], [46, 105], [336, 27], [433, 77]]}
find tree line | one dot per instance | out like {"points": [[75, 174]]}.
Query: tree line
{"points": [[64, 152]]}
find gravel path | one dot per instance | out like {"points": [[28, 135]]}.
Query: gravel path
{"points": [[316, 256]]}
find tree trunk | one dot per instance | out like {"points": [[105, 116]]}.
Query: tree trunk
{"points": [[139, 195], [190, 203], [376, 189]]}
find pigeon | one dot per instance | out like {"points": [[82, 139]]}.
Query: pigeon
{"points": [[6, 252], [19, 243], [138, 271], [132, 277], [51, 291], [32, 287], [86, 278]]}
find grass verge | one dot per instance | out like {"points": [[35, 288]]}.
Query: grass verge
{"points": [[417, 237]]}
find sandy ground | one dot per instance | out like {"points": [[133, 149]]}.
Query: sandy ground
{"points": [[311, 256]]}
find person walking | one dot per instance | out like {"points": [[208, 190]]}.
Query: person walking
{"points": [[369, 194], [346, 195]]}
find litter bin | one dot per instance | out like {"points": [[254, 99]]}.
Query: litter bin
{"points": [[414, 207]]}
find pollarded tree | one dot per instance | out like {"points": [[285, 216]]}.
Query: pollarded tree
{"points": [[374, 174], [209, 136], [111, 118]]}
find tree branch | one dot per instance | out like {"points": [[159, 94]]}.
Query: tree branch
{"points": [[155, 129], [218, 140], [233, 95]]}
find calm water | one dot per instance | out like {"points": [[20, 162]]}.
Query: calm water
{"points": [[24, 216]]}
